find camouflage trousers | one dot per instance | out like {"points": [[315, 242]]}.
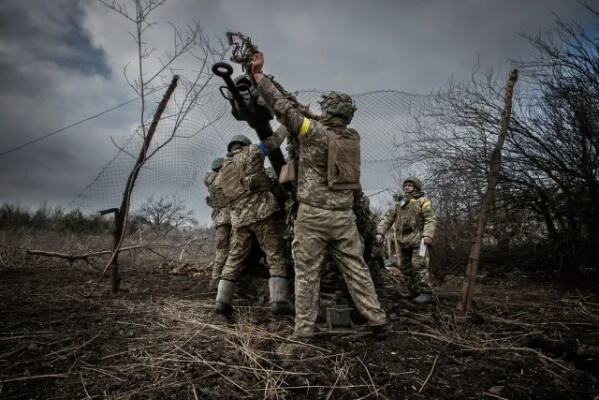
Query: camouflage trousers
{"points": [[270, 241], [318, 231], [414, 269], [222, 234]]}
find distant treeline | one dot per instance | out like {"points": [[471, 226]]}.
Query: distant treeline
{"points": [[160, 214], [52, 218]]}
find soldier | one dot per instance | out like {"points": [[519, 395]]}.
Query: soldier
{"points": [[328, 175], [247, 189], [415, 222], [220, 219]]}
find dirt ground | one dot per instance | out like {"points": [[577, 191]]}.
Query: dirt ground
{"points": [[63, 338]]}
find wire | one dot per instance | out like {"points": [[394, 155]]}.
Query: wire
{"points": [[39, 139]]}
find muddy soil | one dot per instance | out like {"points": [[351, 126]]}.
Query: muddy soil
{"points": [[61, 337]]}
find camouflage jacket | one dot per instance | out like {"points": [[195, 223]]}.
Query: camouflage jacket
{"points": [[220, 215], [313, 152], [412, 221], [256, 206]]}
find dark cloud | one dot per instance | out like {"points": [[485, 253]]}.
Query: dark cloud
{"points": [[14, 80], [56, 63], [414, 46], [55, 35], [45, 53]]}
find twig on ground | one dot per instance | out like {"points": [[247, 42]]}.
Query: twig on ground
{"points": [[375, 389], [32, 377], [430, 373], [83, 384]]}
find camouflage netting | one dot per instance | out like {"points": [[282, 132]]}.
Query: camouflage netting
{"points": [[202, 135]]}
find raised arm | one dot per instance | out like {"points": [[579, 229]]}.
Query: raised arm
{"points": [[287, 114]]}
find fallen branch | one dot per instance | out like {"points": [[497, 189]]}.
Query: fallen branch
{"points": [[467, 347], [375, 389], [85, 256], [190, 241]]}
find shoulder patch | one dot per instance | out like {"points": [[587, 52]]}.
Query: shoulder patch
{"points": [[304, 128], [425, 203]]}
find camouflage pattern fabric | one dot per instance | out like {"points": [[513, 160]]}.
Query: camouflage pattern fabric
{"points": [[313, 153], [220, 216], [325, 220], [255, 206], [270, 241], [221, 219], [222, 234], [415, 271], [373, 252], [318, 231], [412, 222]]}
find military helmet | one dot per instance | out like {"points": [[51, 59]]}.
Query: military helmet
{"points": [[217, 163], [417, 182], [239, 139], [339, 105]]}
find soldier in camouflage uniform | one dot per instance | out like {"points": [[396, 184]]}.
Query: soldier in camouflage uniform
{"points": [[373, 253], [252, 205], [220, 219], [414, 221], [328, 175]]}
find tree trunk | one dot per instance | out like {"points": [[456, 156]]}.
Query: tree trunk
{"points": [[465, 305], [120, 217]]}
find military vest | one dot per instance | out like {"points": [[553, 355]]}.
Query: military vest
{"points": [[409, 217], [236, 183], [217, 197], [343, 164]]}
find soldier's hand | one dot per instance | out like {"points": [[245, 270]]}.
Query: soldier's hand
{"points": [[428, 241], [380, 238], [256, 63]]}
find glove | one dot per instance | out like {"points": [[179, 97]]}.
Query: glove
{"points": [[428, 241]]}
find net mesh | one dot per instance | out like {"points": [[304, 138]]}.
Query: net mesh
{"points": [[187, 139]]}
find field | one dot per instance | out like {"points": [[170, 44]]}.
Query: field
{"points": [[64, 336]]}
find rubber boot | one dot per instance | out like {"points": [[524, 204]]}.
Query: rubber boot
{"points": [[224, 297], [279, 296]]}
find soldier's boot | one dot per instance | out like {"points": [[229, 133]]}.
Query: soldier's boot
{"points": [[279, 296], [224, 297], [380, 332]]}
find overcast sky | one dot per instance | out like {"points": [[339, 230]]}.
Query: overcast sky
{"points": [[62, 60]]}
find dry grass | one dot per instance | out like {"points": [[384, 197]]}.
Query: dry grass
{"points": [[159, 338]]}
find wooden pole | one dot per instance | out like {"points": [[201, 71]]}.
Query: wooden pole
{"points": [[465, 304], [120, 215]]}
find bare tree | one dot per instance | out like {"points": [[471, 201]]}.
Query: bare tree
{"points": [[547, 192], [164, 214], [193, 44]]}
